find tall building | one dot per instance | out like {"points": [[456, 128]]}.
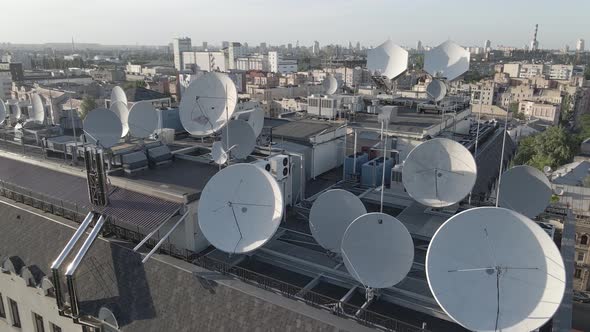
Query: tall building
{"points": [[224, 44], [263, 47], [580, 45], [204, 46], [487, 45], [419, 46], [535, 43], [290, 48], [234, 51], [316, 47], [180, 45]]}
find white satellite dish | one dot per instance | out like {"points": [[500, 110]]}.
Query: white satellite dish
{"points": [[439, 172], [241, 138], [387, 60], [559, 191], [377, 250], [102, 127], [240, 208], [254, 117], [38, 109], [493, 269], [122, 112], [547, 169], [330, 84], [218, 153], [436, 90], [447, 60], [525, 190], [2, 111], [208, 103], [143, 120], [117, 94], [330, 216]]}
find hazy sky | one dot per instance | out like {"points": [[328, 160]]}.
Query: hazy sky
{"points": [[156, 22]]}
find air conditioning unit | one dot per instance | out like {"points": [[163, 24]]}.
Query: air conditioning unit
{"points": [[279, 166], [264, 164]]}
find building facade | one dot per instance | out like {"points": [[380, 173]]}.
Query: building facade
{"points": [[180, 45]]}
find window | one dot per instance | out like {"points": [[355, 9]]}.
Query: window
{"points": [[38, 320], [578, 274], [580, 257], [2, 310], [54, 328], [584, 240], [14, 313]]}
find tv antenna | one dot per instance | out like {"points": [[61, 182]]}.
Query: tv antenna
{"points": [[439, 172], [377, 250], [493, 269], [240, 208], [208, 104], [331, 214]]}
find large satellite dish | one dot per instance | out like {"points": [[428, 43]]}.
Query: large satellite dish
{"points": [[378, 250], [447, 60], [254, 117], [525, 190], [436, 90], [143, 120], [218, 153], [439, 172], [387, 60], [102, 127], [122, 112], [493, 269], [117, 94], [2, 111], [38, 109], [240, 208], [208, 103], [331, 214], [330, 84], [242, 140]]}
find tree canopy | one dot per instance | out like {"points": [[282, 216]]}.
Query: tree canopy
{"points": [[87, 105], [553, 147]]}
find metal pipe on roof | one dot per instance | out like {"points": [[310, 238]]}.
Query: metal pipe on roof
{"points": [[152, 233], [76, 262], [157, 246], [64, 254]]}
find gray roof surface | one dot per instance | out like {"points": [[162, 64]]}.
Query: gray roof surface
{"points": [[488, 161], [301, 130], [125, 206], [164, 294]]}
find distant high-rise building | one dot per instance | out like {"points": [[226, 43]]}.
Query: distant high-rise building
{"points": [[419, 46], [290, 48], [234, 51], [316, 47], [358, 46], [224, 44], [180, 45], [350, 45], [535, 42], [580, 45], [262, 47], [205, 46], [487, 45]]}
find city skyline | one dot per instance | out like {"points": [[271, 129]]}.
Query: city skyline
{"points": [[370, 22]]}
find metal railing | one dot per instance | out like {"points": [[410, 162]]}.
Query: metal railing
{"points": [[346, 310]]}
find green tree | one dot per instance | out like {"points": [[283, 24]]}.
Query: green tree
{"points": [[553, 147], [133, 84], [87, 105]]}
